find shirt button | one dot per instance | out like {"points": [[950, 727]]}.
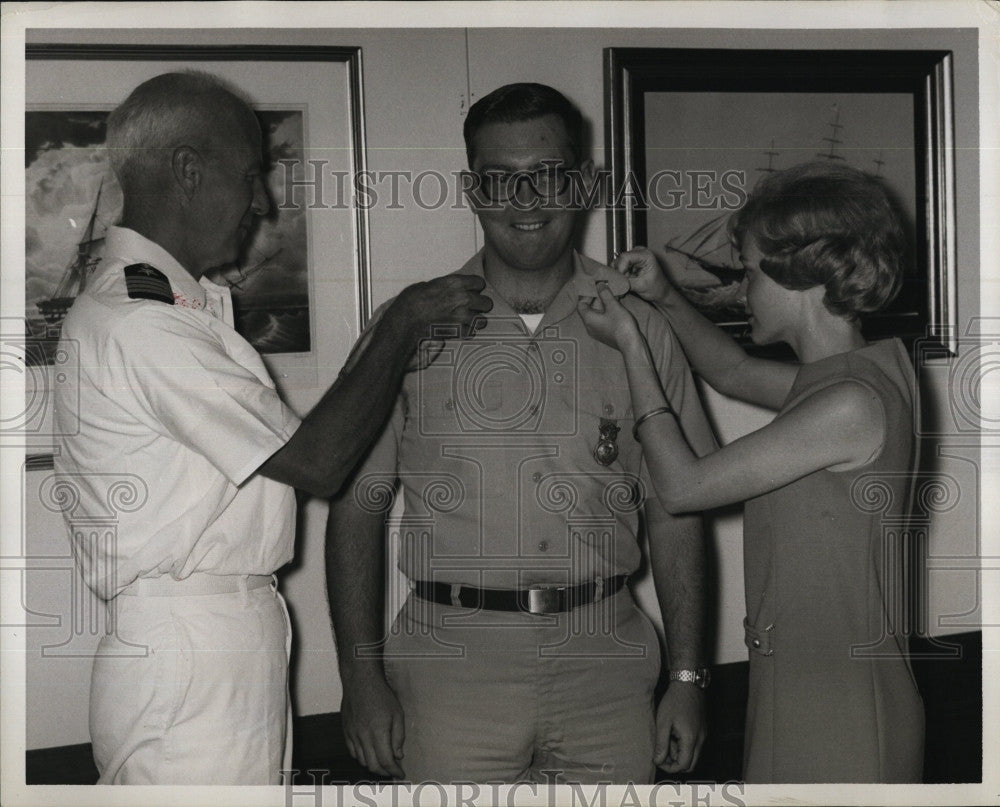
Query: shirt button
{"points": [[609, 409], [755, 642], [536, 476], [543, 546]]}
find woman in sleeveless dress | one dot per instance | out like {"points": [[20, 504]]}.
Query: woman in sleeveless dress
{"points": [[826, 483]]}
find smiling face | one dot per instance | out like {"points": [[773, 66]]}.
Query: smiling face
{"points": [[231, 194], [526, 233]]}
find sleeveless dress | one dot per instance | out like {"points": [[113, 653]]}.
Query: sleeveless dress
{"points": [[832, 697]]}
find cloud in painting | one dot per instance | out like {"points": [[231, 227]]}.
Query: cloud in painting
{"points": [[62, 178], [66, 164]]}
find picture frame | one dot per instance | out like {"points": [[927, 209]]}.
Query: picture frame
{"points": [[748, 112], [70, 87]]}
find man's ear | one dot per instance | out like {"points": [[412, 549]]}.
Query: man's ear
{"points": [[186, 166]]}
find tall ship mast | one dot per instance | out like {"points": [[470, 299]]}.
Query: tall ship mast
{"points": [[834, 138], [74, 279]]}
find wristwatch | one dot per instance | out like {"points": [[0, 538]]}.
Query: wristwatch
{"points": [[699, 677]]}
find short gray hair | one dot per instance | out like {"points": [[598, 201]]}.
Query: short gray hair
{"points": [[167, 111]]}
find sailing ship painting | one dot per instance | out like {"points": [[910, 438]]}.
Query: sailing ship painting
{"points": [[72, 198], [74, 279], [776, 131]]}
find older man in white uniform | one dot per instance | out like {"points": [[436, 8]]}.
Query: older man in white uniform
{"points": [[181, 425]]}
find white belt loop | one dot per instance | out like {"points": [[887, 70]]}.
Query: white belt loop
{"points": [[241, 581], [598, 589], [456, 600]]}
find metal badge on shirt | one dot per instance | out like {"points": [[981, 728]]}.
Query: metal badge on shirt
{"points": [[606, 451]]}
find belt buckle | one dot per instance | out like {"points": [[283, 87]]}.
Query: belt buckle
{"points": [[544, 600]]}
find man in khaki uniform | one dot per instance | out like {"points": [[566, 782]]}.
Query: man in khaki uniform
{"points": [[520, 653]]}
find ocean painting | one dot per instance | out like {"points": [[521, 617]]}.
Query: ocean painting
{"points": [[72, 198]]}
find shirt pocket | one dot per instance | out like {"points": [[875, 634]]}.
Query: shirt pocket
{"points": [[446, 399]]}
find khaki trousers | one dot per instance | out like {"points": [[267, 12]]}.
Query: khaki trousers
{"points": [[492, 696]]}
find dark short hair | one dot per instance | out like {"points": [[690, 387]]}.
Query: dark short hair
{"points": [[823, 223], [514, 103]]}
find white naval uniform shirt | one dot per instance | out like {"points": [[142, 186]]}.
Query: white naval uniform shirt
{"points": [[176, 412]]}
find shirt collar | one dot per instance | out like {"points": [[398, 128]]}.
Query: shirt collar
{"points": [[587, 273], [582, 283], [131, 247]]}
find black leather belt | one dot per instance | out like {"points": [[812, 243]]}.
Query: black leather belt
{"points": [[535, 600]]}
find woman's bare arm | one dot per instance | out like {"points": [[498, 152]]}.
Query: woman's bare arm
{"points": [[712, 353]]}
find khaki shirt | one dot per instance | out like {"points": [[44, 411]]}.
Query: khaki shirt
{"points": [[493, 447], [176, 412]]}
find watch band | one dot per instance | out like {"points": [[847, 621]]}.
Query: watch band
{"points": [[699, 677]]}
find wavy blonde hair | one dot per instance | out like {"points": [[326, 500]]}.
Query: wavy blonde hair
{"points": [[826, 224]]}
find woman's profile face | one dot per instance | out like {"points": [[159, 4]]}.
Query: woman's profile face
{"points": [[770, 307]]}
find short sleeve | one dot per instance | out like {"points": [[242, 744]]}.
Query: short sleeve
{"points": [[177, 376], [678, 384]]}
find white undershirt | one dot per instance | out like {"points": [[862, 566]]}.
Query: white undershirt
{"points": [[532, 321]]}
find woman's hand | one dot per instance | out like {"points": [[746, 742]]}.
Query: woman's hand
{"points": [[608, 321], [645, 275]]}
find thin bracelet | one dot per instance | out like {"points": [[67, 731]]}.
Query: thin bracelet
{"points": [[660, 410]]}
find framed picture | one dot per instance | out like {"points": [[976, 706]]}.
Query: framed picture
{"points": [[303, 278], [690, 131]]}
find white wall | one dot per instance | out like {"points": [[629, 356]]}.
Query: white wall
{"points": [[417, 85]]}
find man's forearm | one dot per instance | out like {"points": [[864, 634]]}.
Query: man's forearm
{"points": [[678, 560], [336, 433], [355, 561]]}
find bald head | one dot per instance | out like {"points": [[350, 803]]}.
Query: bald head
{"points": [[187, 152], [165, 113]]}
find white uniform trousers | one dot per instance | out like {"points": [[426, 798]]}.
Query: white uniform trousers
{"points": [[193, 689]]}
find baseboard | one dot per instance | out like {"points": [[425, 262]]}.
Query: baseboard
{"points": [[948, 672]]}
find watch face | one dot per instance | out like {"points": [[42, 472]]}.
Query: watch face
{"points": [[699, 678]]}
